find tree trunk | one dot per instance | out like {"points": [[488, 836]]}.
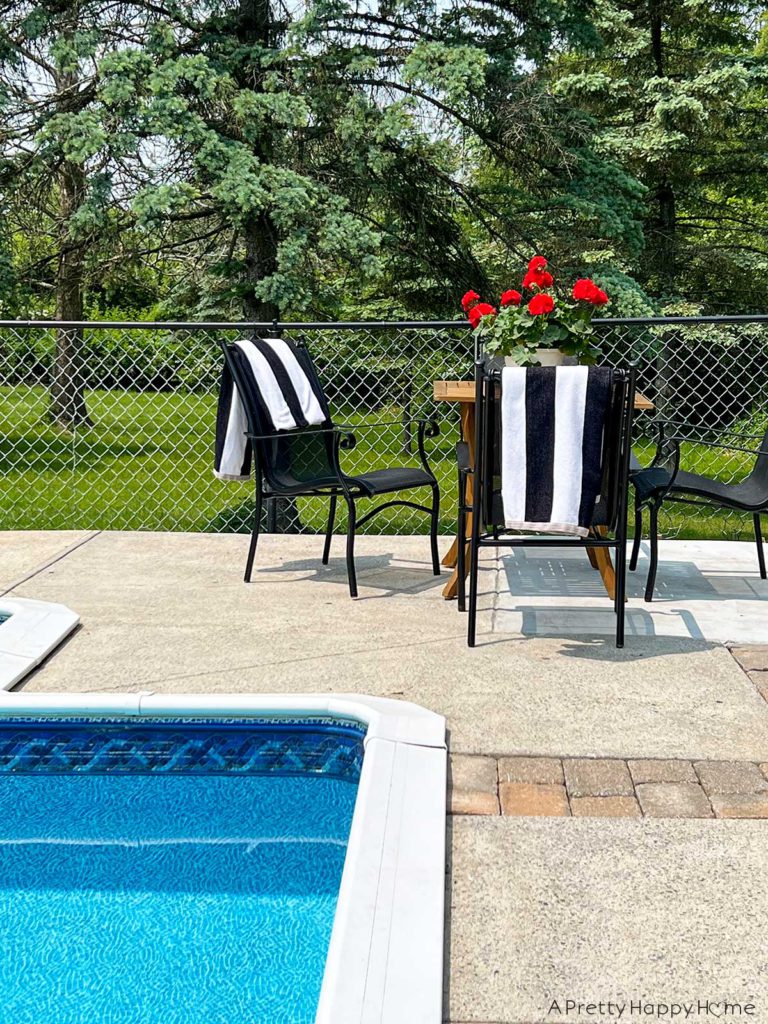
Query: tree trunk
{"points": [[68, 407], [256, 27], [665, 222], [260, 261], [666, 237]]}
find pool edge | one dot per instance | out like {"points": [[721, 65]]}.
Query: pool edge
{"points": [[34, 630]]}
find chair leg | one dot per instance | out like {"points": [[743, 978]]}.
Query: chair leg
{"points": [[621, 580], [434, 522], [351, 524], [474, 568], [638, 535], [654, 537], [621, 591], [255, 528], [461, 555], [329, 530], [759, 542], [473, 571]]}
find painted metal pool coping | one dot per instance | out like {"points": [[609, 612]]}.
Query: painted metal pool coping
{"points": [[33, 631], [385, 957]]}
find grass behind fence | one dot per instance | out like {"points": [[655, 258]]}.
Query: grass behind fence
{"points": [[146, 464]]}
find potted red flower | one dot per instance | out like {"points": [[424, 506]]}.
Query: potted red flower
{"points": [[532, 327]]}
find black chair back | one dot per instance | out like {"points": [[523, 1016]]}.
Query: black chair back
{"points": [[760, 470], [288, 460]]}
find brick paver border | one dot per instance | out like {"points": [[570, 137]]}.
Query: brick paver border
{"points": [[607, 787]]}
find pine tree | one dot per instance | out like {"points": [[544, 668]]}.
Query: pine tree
{"points": [[677, 92], [339, 144], [67, 166]]}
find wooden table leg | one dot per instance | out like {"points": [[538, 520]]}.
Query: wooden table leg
{"points": [[451, 588], [602, 556]]}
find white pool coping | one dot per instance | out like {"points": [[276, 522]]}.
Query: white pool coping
{"points": [[385, 958], [34, 629]]}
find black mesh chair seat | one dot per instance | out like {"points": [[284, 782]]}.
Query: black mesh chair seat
{"points": [[384, 481], [747, 495]]}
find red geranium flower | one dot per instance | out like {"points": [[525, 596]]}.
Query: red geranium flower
{"points": [[480, 310], [541, 304], [468, 299], [537, 263], [586, 290], [538, 279], [511, 298]]}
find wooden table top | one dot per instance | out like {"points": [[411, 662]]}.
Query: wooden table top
{"points": [[464, 391]]}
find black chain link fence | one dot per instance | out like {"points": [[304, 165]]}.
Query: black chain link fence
{"points": [[137, 453]]}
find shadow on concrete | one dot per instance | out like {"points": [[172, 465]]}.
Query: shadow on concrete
{"points": [[602, 646], [569, 574], [386, 573], [566, 620]]}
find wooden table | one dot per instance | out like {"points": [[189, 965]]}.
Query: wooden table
{"points": [[463, 393]]}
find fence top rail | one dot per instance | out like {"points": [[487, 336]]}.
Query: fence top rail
{"points": [[237, 325], [357, 325]]}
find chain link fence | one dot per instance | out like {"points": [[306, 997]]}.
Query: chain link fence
{"points": [[111, 425]]}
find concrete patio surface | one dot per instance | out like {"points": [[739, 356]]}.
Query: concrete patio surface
{"points": [[598, 911], [170, 612], [588, 909]]}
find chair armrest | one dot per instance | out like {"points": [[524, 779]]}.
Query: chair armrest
{"points": [[462, 457], [279, 435], [667, 459], [680, 425], [428, 428], [343, 439], [390, 423], [345, 433], [721, 444]]}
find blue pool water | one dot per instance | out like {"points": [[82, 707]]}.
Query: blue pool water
{"points": [[170, 873]]}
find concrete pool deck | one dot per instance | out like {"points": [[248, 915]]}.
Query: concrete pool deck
{"points": [[541, 908]]}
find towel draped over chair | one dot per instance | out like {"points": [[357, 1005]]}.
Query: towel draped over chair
{"points": [[552, 423]]}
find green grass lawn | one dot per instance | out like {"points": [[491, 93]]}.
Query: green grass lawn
{"points": [[146, 464]]}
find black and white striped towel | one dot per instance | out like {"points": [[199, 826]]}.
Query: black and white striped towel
{"points": [[552, 422], [285, 396]]}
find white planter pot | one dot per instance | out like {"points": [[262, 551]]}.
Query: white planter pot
{"points": [[550, 357], [545, 356]]}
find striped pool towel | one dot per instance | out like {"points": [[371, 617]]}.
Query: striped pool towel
{"points": [[282, 391], [552, 423]]}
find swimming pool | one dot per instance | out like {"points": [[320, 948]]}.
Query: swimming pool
{"points": [[266, 860]]}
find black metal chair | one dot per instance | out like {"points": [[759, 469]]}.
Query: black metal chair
{"points": [[488, 530], [664, 481], [306, 463]]}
